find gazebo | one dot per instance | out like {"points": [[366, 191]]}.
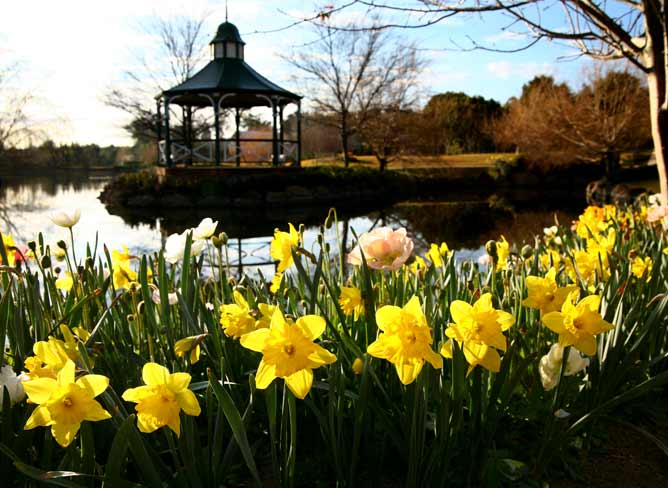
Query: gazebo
{"points": [[227, 86]]}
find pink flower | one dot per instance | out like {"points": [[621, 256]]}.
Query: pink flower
{"points": [[383, 248], [654, 214]]}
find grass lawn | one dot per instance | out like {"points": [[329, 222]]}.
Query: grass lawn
{"points": [[478, 160]]}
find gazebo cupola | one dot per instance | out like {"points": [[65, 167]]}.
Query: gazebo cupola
{"points": [[227, 43], [212, 101]]}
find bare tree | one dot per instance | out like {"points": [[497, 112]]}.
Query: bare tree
{"points": [[354, 74], [552, 125], [180, 52], [14, 121], [607, 30]]}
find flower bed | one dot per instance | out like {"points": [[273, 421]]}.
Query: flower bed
{"points": [[380, 365]]}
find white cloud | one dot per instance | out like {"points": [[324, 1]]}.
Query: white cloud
{"points": [[506, 69]]}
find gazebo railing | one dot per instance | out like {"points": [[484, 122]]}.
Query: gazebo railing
{"points": [[249, 150]]}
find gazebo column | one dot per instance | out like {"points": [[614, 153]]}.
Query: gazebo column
{"points": [[168, 136], [189, 134], [158, 126], [237, 136], [216, 113], [299, 133], [281, 149], [274, 138]]}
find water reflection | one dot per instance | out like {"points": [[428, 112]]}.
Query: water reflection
{"points": [[465, 223]]}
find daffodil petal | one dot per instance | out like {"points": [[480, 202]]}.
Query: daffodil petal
{"points": [[407, 372], [178, 381], [39, 389], [387, 316], [255, 340], [66, 374], [93, 383], [137, 394], [40, 418], [554, 321], [154, 374], [460, 311], [188, 402], [300, 382], [312, 326], [95, 412], [64, 433], [266, 373]]}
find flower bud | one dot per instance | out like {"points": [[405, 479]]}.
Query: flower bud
{"points": [[527, 251], [490, 247], [358, 366], [46, 262], [32, 245], [61, 244]]}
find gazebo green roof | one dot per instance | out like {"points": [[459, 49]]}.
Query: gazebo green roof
{"points": [[227, 31], [227, 76]]}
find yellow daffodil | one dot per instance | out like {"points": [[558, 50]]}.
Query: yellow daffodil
{"points": [[437, 253], [282, 246], [9, 244], [502, 254], [405, 341], [550, 259], [603, 243], [351, 301], [161, 400], [642, 267], [417, 265], [544, 294], [122, 273], [236, 318], [276, 283], [189, 345], [590, 265], [591, 222], [50, 357], [64, 403], [578, 325], [478, 329], [65, 282], [288, 352], [266, 312]]}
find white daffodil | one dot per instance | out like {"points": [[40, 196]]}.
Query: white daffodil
{"points": [[175, 247], [550, 365], [205, 229], [66, 218], [13, 383], [172, 298]]}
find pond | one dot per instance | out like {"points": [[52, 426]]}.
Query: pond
{"points": [[464, 220]]}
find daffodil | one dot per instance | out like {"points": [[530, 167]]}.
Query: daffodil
{"points": [[13, 383], [266, 313], [205, 229], [351, 301], [160, 401], [64, 403], [66, 218], [544, 294], [288, 352], [549, 259], [282, 246], [189, 345], [417, 265], [591, 222], [590, 265], [436, 253], [550, 365], [65, 282], [478, 329], [405, 340], [122, 273], [276, 283], [9, 245], [50, 357], [236, 318], [578, 325], [642, 267], [502, 254]]}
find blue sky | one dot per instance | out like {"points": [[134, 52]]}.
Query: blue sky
{"points": [[74, 50]]}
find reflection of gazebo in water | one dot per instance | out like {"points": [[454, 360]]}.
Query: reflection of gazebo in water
{"points": [[227, 86]]}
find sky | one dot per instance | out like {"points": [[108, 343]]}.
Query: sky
{"points": [[73, 51]]}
